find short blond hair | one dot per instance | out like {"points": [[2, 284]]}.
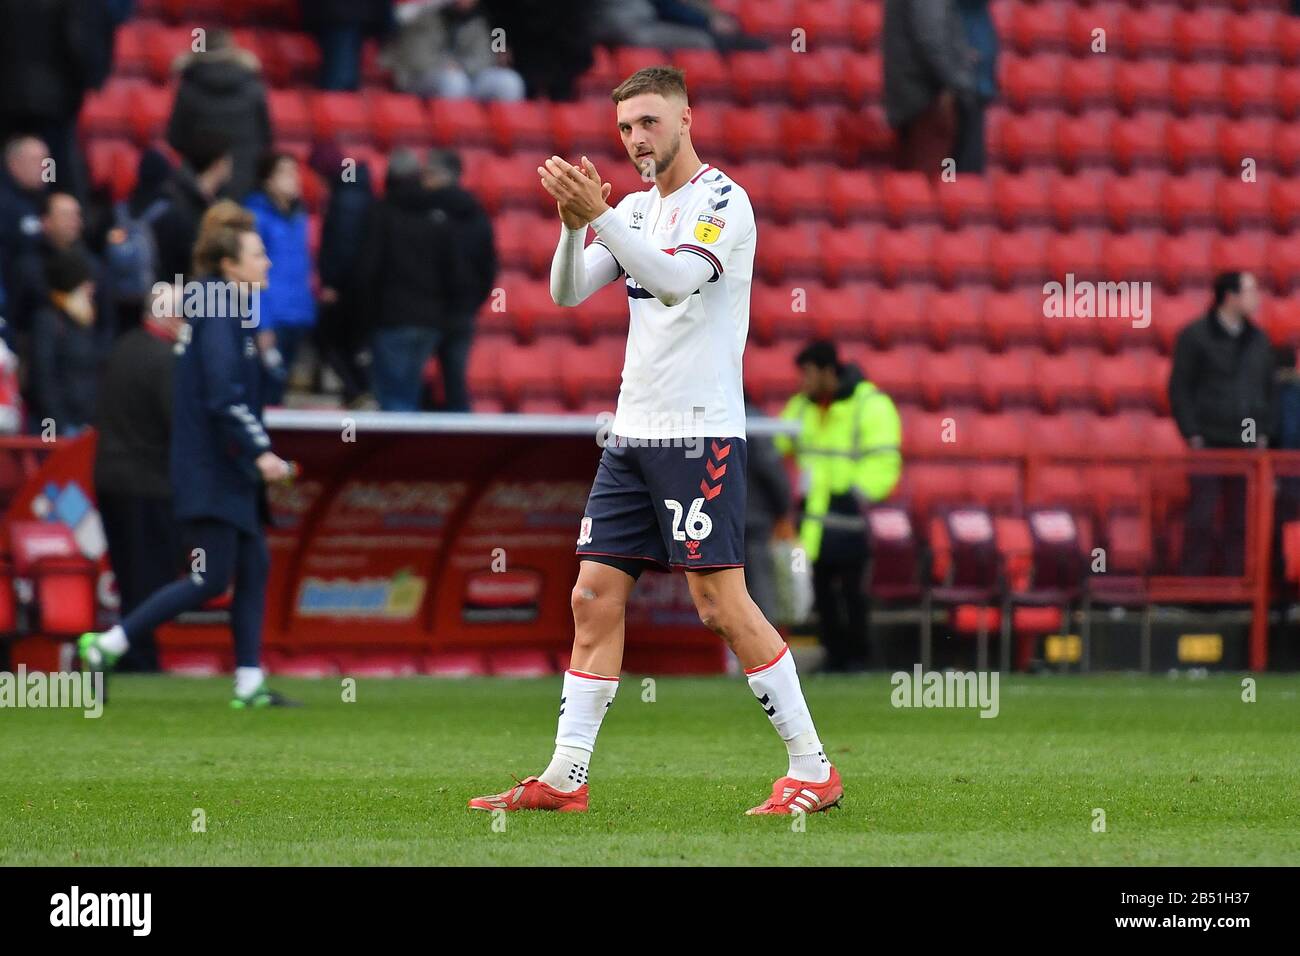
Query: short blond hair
{"points": [[664, 80]]}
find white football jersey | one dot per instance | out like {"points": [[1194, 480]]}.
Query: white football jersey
{"points": [[682, 374]]}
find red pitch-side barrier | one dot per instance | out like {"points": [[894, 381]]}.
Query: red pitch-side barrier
{"points": [[444, 543]]}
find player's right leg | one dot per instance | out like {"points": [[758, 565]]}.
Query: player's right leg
{"points": [[212, 567], [618, 537], [599, 600]]}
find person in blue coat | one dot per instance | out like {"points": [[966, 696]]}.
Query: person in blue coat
{"points": [[288, 305], [221, 457]]}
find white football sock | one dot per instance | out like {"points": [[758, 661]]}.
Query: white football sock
{"points": [[247, 680], [113, 640], [776, 685], [583, 703]]}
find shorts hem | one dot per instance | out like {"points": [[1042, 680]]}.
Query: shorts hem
{"points": [[625, 557]]}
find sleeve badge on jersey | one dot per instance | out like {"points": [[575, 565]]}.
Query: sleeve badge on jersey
{"points": [[708, 228]]}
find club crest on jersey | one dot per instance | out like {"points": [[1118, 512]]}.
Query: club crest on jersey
{"points": [[672, 218], [708, 228], [584, 531]]}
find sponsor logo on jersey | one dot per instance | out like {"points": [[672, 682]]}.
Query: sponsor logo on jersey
{"points": [[636, 219], [708, 228]]}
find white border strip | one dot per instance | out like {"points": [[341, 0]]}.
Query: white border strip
{"points": [[331, 420]]}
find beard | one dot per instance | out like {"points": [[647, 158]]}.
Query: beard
{"points": [[650, 166]]}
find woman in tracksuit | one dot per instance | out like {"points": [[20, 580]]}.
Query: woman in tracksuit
{"points": [[221, 456]]}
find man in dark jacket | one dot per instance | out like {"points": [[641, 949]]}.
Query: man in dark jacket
{"points": [[982, 38], [473, 272], [1221, 393], [406, 270], [342, 234], [22, 188], [189, 192], [929, 79], [132, 485], [65, 348], [221, 92], [61, 229], [51, 53]]}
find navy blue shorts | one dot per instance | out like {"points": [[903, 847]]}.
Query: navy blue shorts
{"points": [[663, 507]]}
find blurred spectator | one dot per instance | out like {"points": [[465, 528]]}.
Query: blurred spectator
{"points": [[52, 52], [189, 192], [767, 501], [61, 230], [406, 272], [928, 79], [341, 27], [287, 306], [443, 48], [340, 328], [550, 43], [723, 28], [1221, 393], [848, 452], [132, 480], [638, 23], [131, 259], [473, 272], [65, 347], [22, 187], [221, 92], [982, 38]]}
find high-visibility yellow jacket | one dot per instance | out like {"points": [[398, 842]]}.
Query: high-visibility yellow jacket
{"points": [[850, 446]]}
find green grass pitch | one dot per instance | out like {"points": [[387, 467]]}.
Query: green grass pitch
{"points": [[1186, 772]]}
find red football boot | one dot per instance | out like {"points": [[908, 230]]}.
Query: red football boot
{"points": [[799, 796], [532, 794]]}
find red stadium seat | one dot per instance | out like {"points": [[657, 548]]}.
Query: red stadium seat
{"points": [[1240, 204], [1135, 200], [1065, 380], [966, 201], [864, 24], [583, 127], [848, 253], [949, 378], [1014, 317], [895, 315], [1019, 256], [807, 135], [1143, 84], [1078, 199], [1130, 256], [998, 435], [863, 78], [837, 313], [1027, 139], [1032, 81], [707, 73], [953, 318], [1120, 434], [1185, 257], [525, 124], [1021, 198], [1251, 89], [1139, 140], [1253, 35], [1188, 200], [904, 254], [1007, 379], [789, 251], [1196, 86], [1200, 33], [1148, 30], [770, 373], [816, 75], [1121, 380], [1088, 81], [1085, 140], [758, 75], [852, 194], [963, 255], [1246, 139], [894, 372], [1193, 141], [907, 197], [752, 132], [1077, 252], [1039, 26]]}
